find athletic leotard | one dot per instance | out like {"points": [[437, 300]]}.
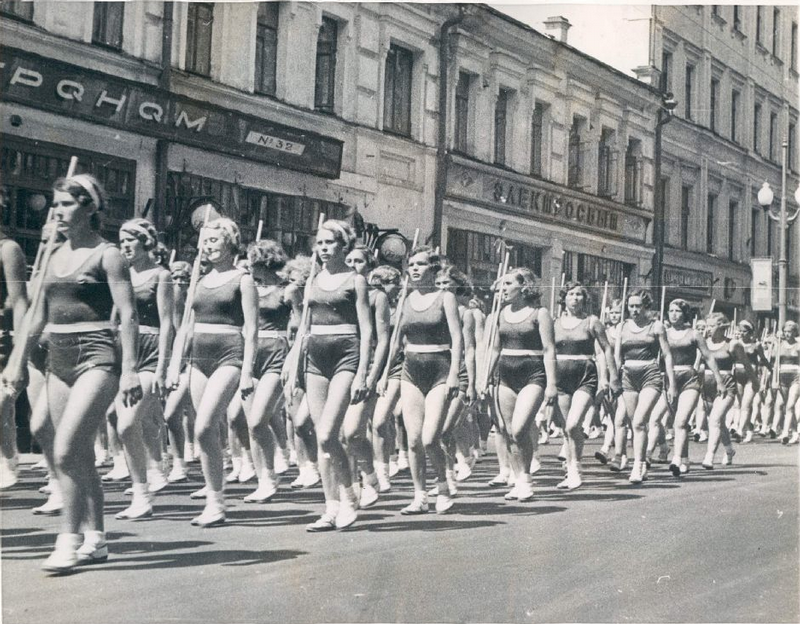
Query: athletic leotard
{"points": [[521, 357], [684, 355], [429, 328], [146, 295], [640, 358], [724, 359], [751, 349], [790, 364], [82, 296], [274, 312], [575, 358], [331, 353], [219, 320]]}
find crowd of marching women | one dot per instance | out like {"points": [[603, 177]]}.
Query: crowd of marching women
{"points": [[350, 370]]}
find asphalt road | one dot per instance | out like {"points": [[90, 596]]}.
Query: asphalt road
{"points": [[717, 546]]}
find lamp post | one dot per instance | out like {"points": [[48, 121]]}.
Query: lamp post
{"points": [[668, 104], [765, 198]]}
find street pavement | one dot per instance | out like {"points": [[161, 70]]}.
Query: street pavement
{"points": [[717, 546]]}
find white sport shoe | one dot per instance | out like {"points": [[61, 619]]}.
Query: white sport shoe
{"points": [[347, 514], [156, 480], [536, 466], [369, 496], [65, 556], [281, 461], [247, 471], [94, 548], [178, 473], [443, 503]]}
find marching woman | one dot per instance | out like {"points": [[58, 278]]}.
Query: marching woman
{"points": [[14, 302], [152, 287], [387, 280], [612, 327], [336, 372], [726, 353], [223, 349], [576, 333], [525, 353], [278, 302], [85, 279], [643, 340], [356, 428], [750, 399], [788, 382], [686, 343], [429, 381]]}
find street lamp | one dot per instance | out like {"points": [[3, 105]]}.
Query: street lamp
{"points": [[668, 104], [765, 198]]}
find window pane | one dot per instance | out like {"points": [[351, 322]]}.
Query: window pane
{"points": [[266, 48], [198, 38], [397, 91], [325, 84]]}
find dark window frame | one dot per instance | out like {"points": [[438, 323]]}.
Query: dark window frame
{"points": [[606, 164], [757, 128], [714, 104], [537, 140], [773, 136], [686, 210], [634, 170], [793, 47], [735, 99], [575, 160], [397, 89], [688, 90], [325, 71], [104, 12], [759, 25], [666, 72], [501, 126], [755, 215], [711, 208], [461, 121], [198, 57], [733, 208], [737, 17], [776, 31], [266, 58]]}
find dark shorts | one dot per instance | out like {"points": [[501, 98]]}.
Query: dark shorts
{"points": [[686, 380], [270, 356], [637, 378], [331, 354], [788, 379], [147, 360], [574, 375], [213, 351], [518, 371], [710, 385], [6, 344], [396, 369], [38, 356], [426, 370], [72, 355]]}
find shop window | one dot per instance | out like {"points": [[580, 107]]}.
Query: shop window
{"points": [[714, 112], [633, 173], [478, 255], [28, 173], [500, 126], [266, 47], [733, 208], [689, 90], [17, 8], [325, 79], [575, 156], [462, 113], [397, 91], [107, 26], [289, 219], [735, 98], [593, 272], [537, 139], [686, 211], [607, 164], [711, 208], [199, 26]]}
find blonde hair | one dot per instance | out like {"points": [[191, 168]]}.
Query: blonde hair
{"points": [[228, 229]]}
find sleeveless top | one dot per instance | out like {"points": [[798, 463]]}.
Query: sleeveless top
{"points": [[219, 305], [639, 346], [751, 349], [146, 295], [522, 335], [723, 356], [334, 307], [428, 326], [82, 296], [683, 347], [790, 354], [274, 311], [575, 341]]}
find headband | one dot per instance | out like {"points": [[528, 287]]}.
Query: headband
{"points": [[85, 182], [138, 229]]}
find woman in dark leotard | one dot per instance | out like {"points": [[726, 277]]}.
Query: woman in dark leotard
{"points": [[336, 372], [85, 280], [387, 280], [526, 355], [433, 346], [278, 303], [13, 305], [685, 344], [356, 428], [223, 349], [137, 429], [642, 340], [750, 400], [726, 353], [578, 335]]}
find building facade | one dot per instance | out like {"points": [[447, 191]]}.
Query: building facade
{"points": [[282, 111]]}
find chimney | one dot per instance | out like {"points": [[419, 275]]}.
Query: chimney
{"points": [[559, 24]]}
